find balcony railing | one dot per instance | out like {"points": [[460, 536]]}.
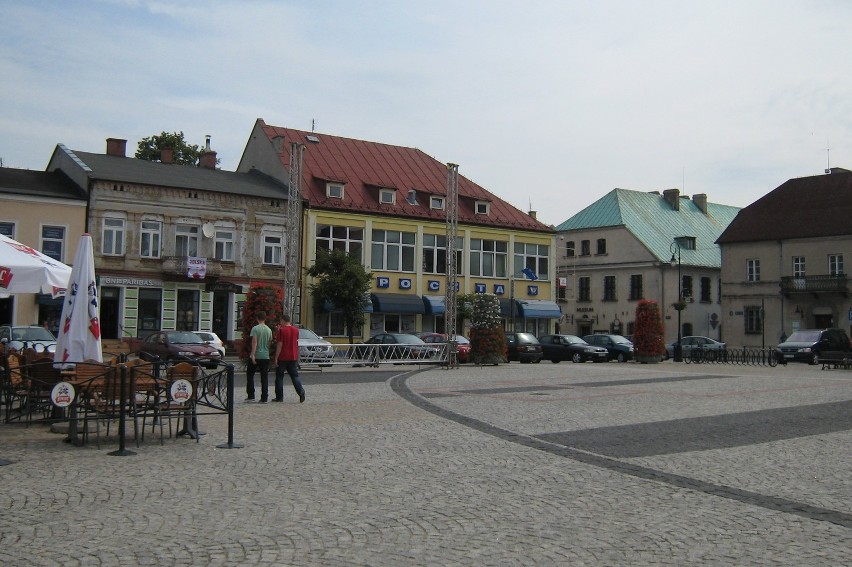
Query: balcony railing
{"points": [[815, 284]]}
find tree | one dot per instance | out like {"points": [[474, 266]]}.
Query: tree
{"points": [[260, 297], [648, 332], [184, 154], [341, 284], [487, 339]]}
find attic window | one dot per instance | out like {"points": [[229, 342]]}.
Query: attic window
{"points": [[387, 196], [436, 203], [686, 242], [334, 190], [312, 138], [482, 207], [412, 197]]}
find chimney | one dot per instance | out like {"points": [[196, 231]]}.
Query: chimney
{"points": [[700, 201], [672, 197], [116, 147], [532, 214], [207, 159], [167, 155]]}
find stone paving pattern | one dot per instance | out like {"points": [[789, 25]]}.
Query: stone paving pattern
{"points": [[506, 465]]}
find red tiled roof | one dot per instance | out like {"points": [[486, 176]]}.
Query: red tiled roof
{"points": [[365, 167], [806, 207]]}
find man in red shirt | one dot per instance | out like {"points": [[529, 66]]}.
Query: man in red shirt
{"points": [[287, 359]]}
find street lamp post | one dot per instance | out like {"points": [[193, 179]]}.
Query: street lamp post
{"points": [[674, 248]]}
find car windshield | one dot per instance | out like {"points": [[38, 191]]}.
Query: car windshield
{"points": [[205, 336], [804, 337], [308, 334], [185, 338], [462, 340], [527, 338], [572, 340], [32, 334], [621, 341]]}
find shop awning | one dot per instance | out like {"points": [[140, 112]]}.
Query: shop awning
{"points": [[397, 303], [434, 304], [539, 309]]}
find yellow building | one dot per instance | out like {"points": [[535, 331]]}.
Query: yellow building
{"points": [[387, 205]]}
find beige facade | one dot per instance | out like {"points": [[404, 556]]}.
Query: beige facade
{"points": [[619, 275], [797, 283], [35, 221]]}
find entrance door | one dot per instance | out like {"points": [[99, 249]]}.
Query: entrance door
{"points": [[221, 307], [7, 308], [585, 329], [822, 321], [110, 302]]}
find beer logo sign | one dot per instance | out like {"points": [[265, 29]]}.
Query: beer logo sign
{"points": [[181, 390], [62, 394]]}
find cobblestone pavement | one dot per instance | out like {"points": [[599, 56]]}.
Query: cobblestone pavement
{"points": [[547, 464]]}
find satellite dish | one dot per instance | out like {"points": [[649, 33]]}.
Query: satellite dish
{"points": [[208, 230]]}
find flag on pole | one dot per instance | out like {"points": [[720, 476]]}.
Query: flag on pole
{"points": [[530, 274]]}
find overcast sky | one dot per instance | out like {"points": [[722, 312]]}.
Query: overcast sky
{"points": [[547, 104]]}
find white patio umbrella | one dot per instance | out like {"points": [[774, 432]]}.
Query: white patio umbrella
{"points": [[79, 327], [26, 270]]}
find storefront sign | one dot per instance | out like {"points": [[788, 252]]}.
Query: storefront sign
{"points": [[382, 282], [434, 285], [404, 283], [532, 290], [499, 289], [479, 288], [129, 282]]}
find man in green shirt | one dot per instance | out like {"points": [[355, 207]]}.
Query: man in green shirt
{"points": [[261, 337]]}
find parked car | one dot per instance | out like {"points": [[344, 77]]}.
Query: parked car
{"points": [[617, 347], [175, 346], [693, 342], [30, 336], [399, 346], [557, 348], [809, 344], [212, 339], [313, 349], [523, 347], [463, 345]]}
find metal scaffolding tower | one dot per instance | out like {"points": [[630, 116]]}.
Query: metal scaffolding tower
{"points": [[293, 235], [451, 305]]}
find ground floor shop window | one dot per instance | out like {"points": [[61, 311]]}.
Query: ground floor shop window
{"points": [[187, 309], [150, 311]]}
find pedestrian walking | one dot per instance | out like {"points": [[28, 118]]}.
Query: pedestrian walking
{"points": [[287, 359], [261, 338]]}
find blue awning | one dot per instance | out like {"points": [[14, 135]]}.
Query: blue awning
{"points": [[434, 304], [397, 303], [539, 309]]}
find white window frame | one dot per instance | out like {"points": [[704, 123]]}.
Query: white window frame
{"points": [[113, 236], [272, 249], [435, 254], [489, 258], [798, 266], [536, 257], [9, 233], [335, 190], [753, 270], [436, 202], [393, 250], [345, 238], [186, 240], [387, 196], [835, 264], [482, 207], [223, 244], [152, 236]]}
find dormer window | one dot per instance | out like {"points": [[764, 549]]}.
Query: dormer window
{"points": [[334, 190], [436, 203], [387, 196], [686, 242], [482, 207], [412, 197]]}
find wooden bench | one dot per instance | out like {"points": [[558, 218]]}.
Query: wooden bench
{"points": [[835, 359]]}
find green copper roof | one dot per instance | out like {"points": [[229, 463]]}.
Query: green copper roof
{"points": [[651, 219]]}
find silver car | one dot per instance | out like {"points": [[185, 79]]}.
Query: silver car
{"points": [[313, 349], [693, 342], [31, 336]]}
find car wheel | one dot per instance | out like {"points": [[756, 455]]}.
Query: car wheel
{"points": [[814, 359], [555, 360], [576, 357], [621, 357], [536, 361]]}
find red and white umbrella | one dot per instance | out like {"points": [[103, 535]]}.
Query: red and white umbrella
{"points": [[26, 270], [79, 327]]}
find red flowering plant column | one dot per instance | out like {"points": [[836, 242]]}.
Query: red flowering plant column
{"points": [[260, 297], [487, 340], [648, 332]]}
